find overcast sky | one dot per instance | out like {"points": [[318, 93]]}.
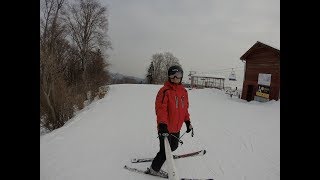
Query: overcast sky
{"points": [[205, 35]]}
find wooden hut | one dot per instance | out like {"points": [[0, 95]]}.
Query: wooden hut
{"points": [[262, 73]]}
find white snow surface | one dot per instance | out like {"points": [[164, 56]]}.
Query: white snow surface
{"points": [[242, 138]]}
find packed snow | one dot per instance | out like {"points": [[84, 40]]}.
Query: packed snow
{"points": [[242, 138]]}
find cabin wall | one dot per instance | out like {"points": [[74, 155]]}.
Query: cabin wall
{"points": [[265, 61]]}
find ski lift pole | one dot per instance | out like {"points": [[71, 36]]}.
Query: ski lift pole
{"points": [[180, 141], [192, 133], [182, 135]]}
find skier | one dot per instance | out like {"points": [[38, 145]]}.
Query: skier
{"points": [[171, 108]]}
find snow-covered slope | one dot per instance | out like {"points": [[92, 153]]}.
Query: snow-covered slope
{"points": [[242, 138]]}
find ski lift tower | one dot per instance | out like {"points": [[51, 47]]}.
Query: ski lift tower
{"points": [[190, 74]]}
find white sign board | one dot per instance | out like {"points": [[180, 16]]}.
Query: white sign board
{"points": [[264, 79]]}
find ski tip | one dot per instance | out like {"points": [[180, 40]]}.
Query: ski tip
{"points": [[204, 151]]}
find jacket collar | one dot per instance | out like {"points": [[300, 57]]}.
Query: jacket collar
{"points": [[172, 85]]}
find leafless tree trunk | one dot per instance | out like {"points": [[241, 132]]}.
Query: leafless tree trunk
{"points": [[170, 60], [68, 70], [50, 32], [161, 63], [88, 25]]}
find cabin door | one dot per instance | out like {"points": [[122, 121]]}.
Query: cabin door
{"points": [[250, 93]]}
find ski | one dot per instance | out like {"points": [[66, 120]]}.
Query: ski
{"points": [[142, 171], [145, 172], [194, 179], [197, 153]]}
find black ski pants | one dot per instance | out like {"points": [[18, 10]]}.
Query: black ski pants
{"points": [[161, 155]]}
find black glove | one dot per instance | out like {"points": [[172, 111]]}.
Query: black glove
{"points": [[163, 129], [189, 126]]}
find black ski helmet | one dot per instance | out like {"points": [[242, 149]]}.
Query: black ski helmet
{"points": [[173, 69]]}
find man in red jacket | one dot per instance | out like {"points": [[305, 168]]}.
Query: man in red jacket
{"points": [[171, 108]]}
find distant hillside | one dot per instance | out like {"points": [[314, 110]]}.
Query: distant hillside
{"points": [[117, 78]]}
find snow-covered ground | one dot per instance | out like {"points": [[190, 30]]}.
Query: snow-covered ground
{"points": [[242, 138]]}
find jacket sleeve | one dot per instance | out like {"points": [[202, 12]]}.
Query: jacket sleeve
{"points": [[187, 115], [161, 105]]}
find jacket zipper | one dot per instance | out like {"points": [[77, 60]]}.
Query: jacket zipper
{"points": [[177, 102], [182, 100], [177, 106]]}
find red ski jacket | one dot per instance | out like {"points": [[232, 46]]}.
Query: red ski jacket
{"points": [[172, 105]]}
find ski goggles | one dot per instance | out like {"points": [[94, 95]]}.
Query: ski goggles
{"points": [[177, 75]]}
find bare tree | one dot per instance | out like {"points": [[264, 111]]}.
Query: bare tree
{"points": [[157, 61], [170, 60], [87, 22], [96, 71], [51, 42], [88, 25], [69, 70], [160, 63]]}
